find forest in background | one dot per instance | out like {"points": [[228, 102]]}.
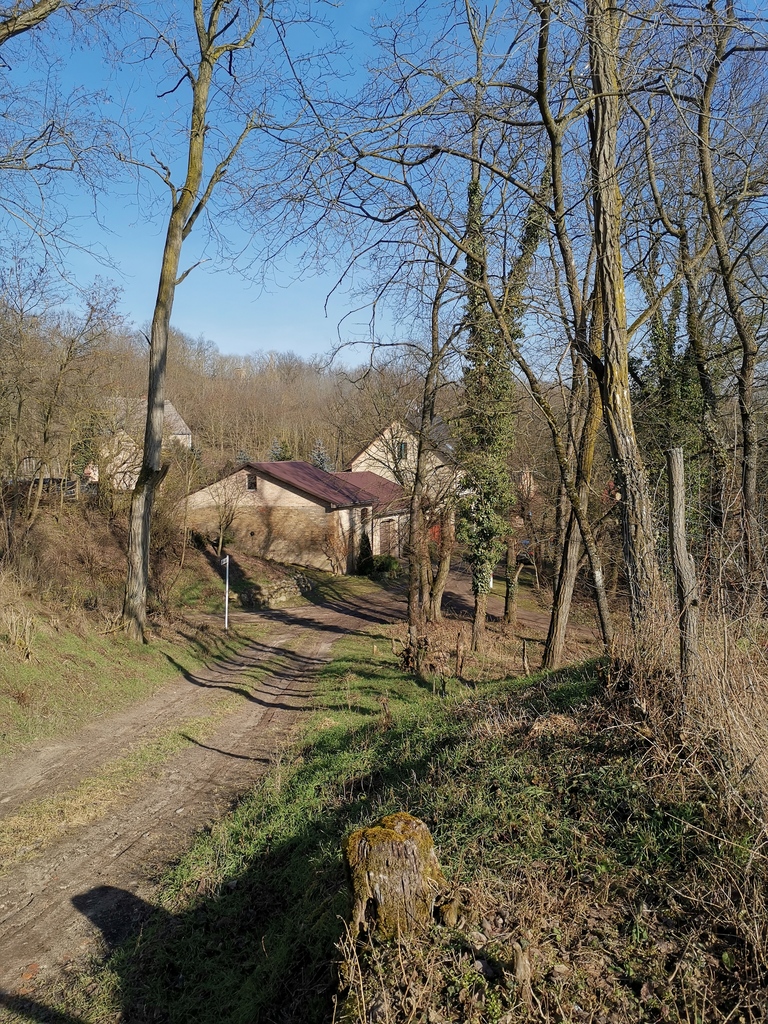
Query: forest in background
{"points": [[563, 212]]}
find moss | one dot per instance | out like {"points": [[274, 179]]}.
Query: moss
{"points": [[395, 876]]}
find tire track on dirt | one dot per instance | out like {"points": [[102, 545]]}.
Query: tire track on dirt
{"points": [[50, 766], [94, 888]]}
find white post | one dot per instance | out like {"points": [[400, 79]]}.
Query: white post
{"points": [[225, 562]]}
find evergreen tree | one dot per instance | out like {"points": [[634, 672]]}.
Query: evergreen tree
{"points": [[365, 558], [485, 432], [320, 458], [280, 451], [666, 393]]}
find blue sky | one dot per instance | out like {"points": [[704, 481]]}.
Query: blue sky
{"points": [[238, 315]]}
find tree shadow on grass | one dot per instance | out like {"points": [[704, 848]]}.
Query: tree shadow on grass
{"points": [[262, 946], [257, 940]]}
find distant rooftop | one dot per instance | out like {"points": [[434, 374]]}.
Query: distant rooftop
{"points": [[131, 414], [389, 496], [327, 487]]}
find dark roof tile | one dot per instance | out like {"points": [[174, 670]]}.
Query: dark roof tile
{"points": [[325, 487], [389, 496]]}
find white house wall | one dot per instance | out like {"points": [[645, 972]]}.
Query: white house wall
{"points": [[381, 456], [275, 523]]}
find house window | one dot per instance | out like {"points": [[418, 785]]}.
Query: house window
{"points": [[252, 481], [402, 450]]}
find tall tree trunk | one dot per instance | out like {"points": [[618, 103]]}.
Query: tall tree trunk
{"points": [[425, 568], [752, 542], [646, 592], [720, 462], [151, 472], [415, 545], [556, 127], [479, 621], [569, 566], [563, 595], [512, 572], [417, 541], [440, 576], [486, 424], [188, 201], [569, 482], [685, 572], [575, 427]]}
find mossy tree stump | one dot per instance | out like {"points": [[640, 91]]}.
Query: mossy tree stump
{"points": [[395, 876]]}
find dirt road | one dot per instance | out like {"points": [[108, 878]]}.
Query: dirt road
{"points": [[89, 890], [93, 887]]}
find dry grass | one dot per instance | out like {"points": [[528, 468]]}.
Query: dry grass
{"points": [[502, 658], [721, 714], [40, 823], [730, 701], [595, 881], [631, 909]]}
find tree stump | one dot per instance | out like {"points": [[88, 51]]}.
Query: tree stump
{"points": [[395, 877]]}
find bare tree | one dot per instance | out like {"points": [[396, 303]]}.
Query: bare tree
{"points": [[51, 138], [401, 176], [219, 35], [53, 365], [20, 17], [228, 496], [722, 27], [430, 497]]}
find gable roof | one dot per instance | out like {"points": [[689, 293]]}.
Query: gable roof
{"points": [[388, 496], [438, 436], [131, 416], [174, 423], [322, 486], [437, 439], [376, 437]]}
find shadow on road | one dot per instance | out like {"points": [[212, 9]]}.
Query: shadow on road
{"points": [[30, 1009], [260, 945], [226, 753], [117, 914], [288, 665], [228, 936]]}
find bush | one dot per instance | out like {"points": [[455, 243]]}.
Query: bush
{"points": [[365, 558], [386, 565]]}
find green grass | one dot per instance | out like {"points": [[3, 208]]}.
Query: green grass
{"points": [[327, 587], [72, 677], [204, 592], [202, 595], [618, 883]]}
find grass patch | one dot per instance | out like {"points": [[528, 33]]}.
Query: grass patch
{"points": [[328, 588], [41, 822], [70, 677], [38, 823], [625, 892], [203, 595]]}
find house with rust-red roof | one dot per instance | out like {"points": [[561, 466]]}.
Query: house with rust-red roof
{"points": [[294, 512], [388, 525]]}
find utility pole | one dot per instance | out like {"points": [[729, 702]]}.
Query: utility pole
{"points": [[225, 563]]}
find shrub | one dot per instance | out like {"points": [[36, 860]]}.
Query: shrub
{"points": [[386, 565], [365, 558]]}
